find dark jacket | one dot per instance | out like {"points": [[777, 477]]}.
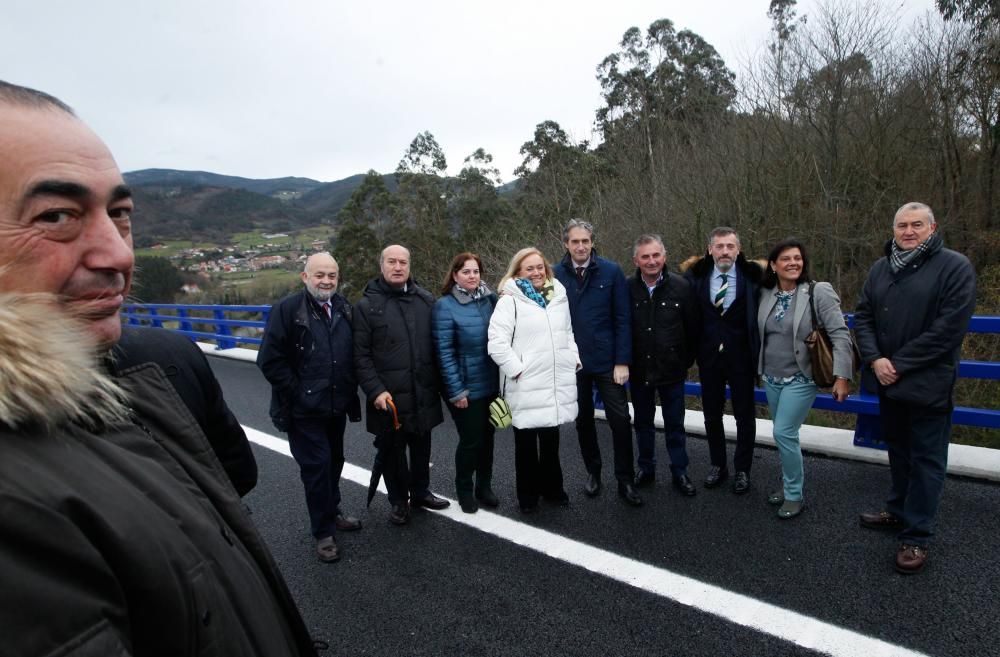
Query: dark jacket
{"points": [[602, 323], [394, 352], [737, 328], [308, 360], [664, 328], [119, 531], [461, 327], [917, 319], [191, 376]]}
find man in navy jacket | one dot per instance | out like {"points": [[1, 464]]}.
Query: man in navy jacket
{"points": [[602, 325], [307, 355]]}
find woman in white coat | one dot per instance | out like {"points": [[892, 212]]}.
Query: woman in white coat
{"points": [[784, 320], [531, 340]]}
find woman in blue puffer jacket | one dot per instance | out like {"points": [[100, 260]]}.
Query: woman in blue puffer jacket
{"points": [[461, 323]]}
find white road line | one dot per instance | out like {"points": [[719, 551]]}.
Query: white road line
{"points": [[743, 610]]}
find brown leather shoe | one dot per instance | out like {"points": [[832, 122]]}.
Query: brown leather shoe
{"points": [[326, 550], [880, 520], [910, 559], [347, 523]]}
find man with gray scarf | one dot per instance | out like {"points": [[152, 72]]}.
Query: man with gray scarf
{"points": [[910, 321]]}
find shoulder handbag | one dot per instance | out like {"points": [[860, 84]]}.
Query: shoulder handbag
{"points": [[821, 349], [500, 415]]}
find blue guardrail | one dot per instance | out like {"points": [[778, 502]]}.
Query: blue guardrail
{"points": [[215, 323]]}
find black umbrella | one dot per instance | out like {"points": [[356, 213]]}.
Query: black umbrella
{"points": [[384, 450]]}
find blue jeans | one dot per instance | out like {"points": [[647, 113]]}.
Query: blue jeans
{"points": [[789, 404], [672, 405], [918, 461]]}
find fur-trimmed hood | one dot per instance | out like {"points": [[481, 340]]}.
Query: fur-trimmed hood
{"points": [[700, 267], [50, 373]]}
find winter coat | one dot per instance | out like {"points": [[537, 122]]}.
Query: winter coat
{"points": [[461, 327], [189, 373], [737, 328], [394, 352], [602, 323], [664, 330], [537, 344], [309, 360], [917, 318], [828, 313], [120, 533]]}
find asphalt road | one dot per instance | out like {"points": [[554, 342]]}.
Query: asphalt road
{"points": [[441, 587]]}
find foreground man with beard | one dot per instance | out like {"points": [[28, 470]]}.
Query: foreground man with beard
{"points": [[120, 533]]}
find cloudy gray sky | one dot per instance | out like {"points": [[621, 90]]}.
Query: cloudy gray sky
{"points": [[326, 89]]}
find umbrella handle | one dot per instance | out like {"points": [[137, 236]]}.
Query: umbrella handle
{"points": [[395, 414]]}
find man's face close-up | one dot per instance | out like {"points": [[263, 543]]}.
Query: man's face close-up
{"points": [[724, 250], [321, 277], [579, 243], [912, 228], [65, 217], [396, 265]]}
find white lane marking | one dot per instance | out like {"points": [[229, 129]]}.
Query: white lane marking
{"points": [[743, 610]]}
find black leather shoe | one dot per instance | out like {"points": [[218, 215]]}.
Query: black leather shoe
{"points": [[593, 485], [400, 514], [488, 498], [643, 479], [430, 501], [741, 483], [880, 520], [684, 485], [628, 493], [347, 523], [716, 476]]}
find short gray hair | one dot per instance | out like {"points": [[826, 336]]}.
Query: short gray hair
{"points": [[12, 94], [381, 255], [648, 238], [914, 206], [577, 223], [722, 231]]}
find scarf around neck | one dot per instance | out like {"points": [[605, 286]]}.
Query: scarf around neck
{"points": [[900, 259], [529, 290]]}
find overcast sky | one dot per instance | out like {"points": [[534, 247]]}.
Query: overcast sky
{"points": [[326, 89]]}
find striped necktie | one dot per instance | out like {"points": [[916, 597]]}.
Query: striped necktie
{"points": [[720, 296]]}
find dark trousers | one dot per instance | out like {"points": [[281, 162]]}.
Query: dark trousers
{"points": [[405, 480], [616, 410], [918, 461], [672, 405], [713, 400], [317, 445], [536, 465], [474, 454]]}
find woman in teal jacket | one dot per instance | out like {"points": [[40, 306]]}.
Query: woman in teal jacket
{"points": [[460, 323]]}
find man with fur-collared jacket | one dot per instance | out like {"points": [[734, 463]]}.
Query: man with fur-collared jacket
{"points": [[120, 532], [725, 286]]}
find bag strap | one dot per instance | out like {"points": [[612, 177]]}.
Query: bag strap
{"points": [[812, 308], [513, 332]]}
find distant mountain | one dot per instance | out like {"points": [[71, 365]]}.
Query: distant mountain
{"points": [[210, 207], [290, 186]]}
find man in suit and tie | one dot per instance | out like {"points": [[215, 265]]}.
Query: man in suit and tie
{"points": [[725, 286]]}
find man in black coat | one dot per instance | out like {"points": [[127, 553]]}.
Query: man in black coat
{"points": [[395, 362], [664, 325], [910, 321], [307, 356], [725, 286]]}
